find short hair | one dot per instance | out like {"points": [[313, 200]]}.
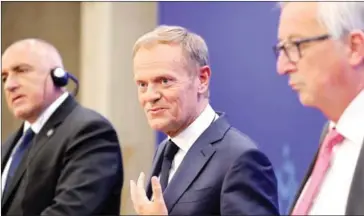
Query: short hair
{"points": [[339, 18], [193, 45]]}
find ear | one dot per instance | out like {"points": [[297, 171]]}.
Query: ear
{"points": [[356, 46], [204, 78]]}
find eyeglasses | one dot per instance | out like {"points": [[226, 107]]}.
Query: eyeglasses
{"points": [[292, 49]]}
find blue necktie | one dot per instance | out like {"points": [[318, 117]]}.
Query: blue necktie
{"points": [[18, 155]]}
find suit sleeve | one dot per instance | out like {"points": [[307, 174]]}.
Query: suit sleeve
{"points": [[250, 187], [92, 170]]}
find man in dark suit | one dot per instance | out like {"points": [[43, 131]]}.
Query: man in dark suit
{"points": [[65, 159], [205, 167], [321, 49]]}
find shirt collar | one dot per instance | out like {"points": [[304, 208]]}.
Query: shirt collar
{"points": [[351, 122], [187, 137], [42, 119]]}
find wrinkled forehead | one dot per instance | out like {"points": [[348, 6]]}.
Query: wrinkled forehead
{"points": [[299, 19]]}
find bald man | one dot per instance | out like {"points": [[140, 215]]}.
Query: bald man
{"points": [[64, 159]]}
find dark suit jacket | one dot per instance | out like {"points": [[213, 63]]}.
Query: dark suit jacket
{"points": [[73, 167], [222, 174], [356, 194]]}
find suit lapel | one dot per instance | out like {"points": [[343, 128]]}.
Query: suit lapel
{"points": [[194, 162], [8, 146], [355, 200], [156, 167], [50, 127], [191, 166], [303, 183], [354, 203], [38, 142], [17, 176]]}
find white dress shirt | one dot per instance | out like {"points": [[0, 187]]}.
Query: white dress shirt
{"points": [[187, 137], [334, 192], [36, 127]]}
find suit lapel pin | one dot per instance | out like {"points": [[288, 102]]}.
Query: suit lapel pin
{"points": [[50, 132]]}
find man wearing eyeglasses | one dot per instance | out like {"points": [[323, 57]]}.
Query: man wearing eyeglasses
{"points": [[321, 50]]}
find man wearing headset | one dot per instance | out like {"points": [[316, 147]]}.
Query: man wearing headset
{"points": [[65, 159]]}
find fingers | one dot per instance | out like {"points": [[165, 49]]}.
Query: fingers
{"points": [[137, 192], [140, 201], [132, 190], [157, 190], [141, 178], [142, 195], [133, 193]]}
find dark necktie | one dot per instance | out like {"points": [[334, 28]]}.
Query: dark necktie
{"points": [[18, 155], [170, 151]]}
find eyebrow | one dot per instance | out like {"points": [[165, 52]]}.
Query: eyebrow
{"points": [[20, 65], [16, 67], [291, 37], [156, 78]]}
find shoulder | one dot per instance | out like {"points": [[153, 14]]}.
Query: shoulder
{"points": [[237, 142], [87, 129], [83, 116], [82, 121], [228, 138], [243, 154], [237, 149]]}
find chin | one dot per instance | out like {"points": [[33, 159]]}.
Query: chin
{"points": [[158, 124], [306, 100], [22, 113]]}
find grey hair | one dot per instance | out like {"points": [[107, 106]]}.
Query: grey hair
{"points": [[339, 18], [193, 45]]}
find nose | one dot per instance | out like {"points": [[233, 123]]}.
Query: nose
{"points": [[11, 83], [152, 94], [284, 65]]}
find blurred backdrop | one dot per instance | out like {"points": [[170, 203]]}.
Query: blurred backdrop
{"points": [[96, 39]]}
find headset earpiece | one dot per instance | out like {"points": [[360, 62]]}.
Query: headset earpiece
{"points": [[59, 77]]}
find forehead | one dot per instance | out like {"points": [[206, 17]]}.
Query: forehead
{"points": [[160, 58], [299, 19], [158, 53], [20, 54]]}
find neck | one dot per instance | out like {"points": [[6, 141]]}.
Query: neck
{"points": [[47, 102], [333, 110], [203, 103]]}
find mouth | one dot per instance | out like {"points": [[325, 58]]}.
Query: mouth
{"points": [[156, 110], [16, 98], [293, 86]]}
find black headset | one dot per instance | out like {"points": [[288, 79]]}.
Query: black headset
{"points": [[60, 78]]}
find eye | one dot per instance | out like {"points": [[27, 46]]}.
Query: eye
{"points": [[21, 69], [278, 48], [141, 84], [3, 79], [165, 81]]}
